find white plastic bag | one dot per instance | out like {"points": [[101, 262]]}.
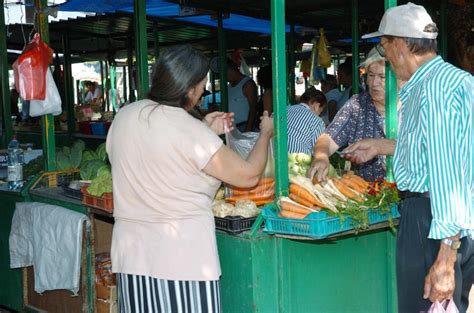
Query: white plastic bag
{"points": [[51, 104], [446, 306]]}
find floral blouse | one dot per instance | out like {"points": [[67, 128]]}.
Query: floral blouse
{"points": [[356, 120]]}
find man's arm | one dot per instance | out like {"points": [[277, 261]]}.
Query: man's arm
{"points": [[367, 149], [250, 92]]}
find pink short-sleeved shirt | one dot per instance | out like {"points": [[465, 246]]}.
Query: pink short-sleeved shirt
{"points": [[164, 226]]}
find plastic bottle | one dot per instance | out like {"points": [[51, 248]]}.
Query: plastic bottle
{"points": [[15, 165]]}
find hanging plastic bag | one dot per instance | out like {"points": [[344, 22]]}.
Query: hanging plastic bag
{"points": [[52, 102], [324, 57], [30, 70], [317, 73], [446, 306], [264, 191]]}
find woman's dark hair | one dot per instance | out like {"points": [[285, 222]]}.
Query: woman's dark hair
{"points": [[312, 94], [176, 71], [264, 77]]}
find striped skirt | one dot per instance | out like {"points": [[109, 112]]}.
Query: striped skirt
{"points": [[139, 294]]}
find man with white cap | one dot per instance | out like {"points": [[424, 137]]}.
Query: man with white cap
{"points": [[433, 163]]}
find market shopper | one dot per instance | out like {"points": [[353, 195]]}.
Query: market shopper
{"points": [[167, 166], [332, 93], [433, 163], [363, 116], [304, 123], [94, 93], [242, 96]]}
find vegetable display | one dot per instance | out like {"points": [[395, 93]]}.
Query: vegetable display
{"points": [[346, 196], [298, 163]]}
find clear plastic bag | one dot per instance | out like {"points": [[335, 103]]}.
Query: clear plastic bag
{"points": [[446, 306], [30, 70], [52, 102], [264, 191]]}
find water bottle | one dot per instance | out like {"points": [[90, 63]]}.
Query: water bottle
{"points": [[15, 165]]}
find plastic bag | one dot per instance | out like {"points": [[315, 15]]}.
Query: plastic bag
{"points": [[446, 306], [317, 73], [324, 57], [30, 70], [264, 191], [51, 104]]}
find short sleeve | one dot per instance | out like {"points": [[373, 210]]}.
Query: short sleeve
{"points": [[341, 128], [201, 144]]}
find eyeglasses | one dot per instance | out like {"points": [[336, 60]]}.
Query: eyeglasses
{"points": [[380, 50]]}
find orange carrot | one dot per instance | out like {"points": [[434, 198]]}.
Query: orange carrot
{"points": [[260, 189], [303, 193], [358, 180], [289, 214], [300, 200], [346, 191], [262, 202], [250, 197], [288, 206], [353, 184]]}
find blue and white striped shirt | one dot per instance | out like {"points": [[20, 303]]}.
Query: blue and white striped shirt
{"points": [[304, 127], [434, 151]]}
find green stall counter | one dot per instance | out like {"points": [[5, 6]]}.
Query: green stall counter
{"points": [[270, 274], [11, 294]]}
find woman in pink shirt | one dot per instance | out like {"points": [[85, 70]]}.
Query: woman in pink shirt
{"points": [[167, 165]]}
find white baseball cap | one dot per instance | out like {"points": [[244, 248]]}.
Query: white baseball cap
{"points": [[408, 20]]}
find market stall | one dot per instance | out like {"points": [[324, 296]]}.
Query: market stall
{"points": [[283, 265]]}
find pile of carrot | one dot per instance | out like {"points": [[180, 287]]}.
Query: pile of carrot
{"points": [[290, 209], [262, 193]]}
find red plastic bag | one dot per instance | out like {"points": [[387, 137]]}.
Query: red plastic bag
{"points": [[30, 70]]}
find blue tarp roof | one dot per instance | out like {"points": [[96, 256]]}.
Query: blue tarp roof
{"points": [[161, 8]]}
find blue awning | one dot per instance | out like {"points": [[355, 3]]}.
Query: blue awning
{"points": [[161, 8]]}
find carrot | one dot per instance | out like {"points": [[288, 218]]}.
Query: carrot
{"points": [[358, 180], [288, 206], [262, 202], [260, 189], [303, 193], [353, 184], [250, 197], [348, 192], [289, 214], [300, 200]]}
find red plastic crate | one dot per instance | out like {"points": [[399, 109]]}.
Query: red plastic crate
{"points": [[85, 127], [105, 202]]}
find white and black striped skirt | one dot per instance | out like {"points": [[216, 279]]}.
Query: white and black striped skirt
{"points": [[141, 294]]}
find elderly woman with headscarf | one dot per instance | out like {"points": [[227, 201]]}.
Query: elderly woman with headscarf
{"points": [[362, 116]]}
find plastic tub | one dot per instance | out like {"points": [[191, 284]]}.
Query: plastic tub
{"points": [[98, 128]]}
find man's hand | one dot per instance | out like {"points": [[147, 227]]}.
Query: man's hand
{"points": [[440, 281], [361, 151], [220, 122]]}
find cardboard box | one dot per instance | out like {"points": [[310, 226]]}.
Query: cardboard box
{"points": [[106, 301]]}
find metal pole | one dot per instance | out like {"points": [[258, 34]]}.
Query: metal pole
{"points": [[291, 65], [156, 37], [391, 125], [355, 46], [47, 121], [444, 29], [213, 86], [68, 85], [130, 71], [139, 16], [7, 113], [124, 82], [391, 100], [222, 63], [279, 96], [106, 88]]}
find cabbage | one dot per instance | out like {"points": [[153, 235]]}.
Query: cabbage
{"points": [[89, 155], [100, 185], [90, 168], [101, 152]]}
